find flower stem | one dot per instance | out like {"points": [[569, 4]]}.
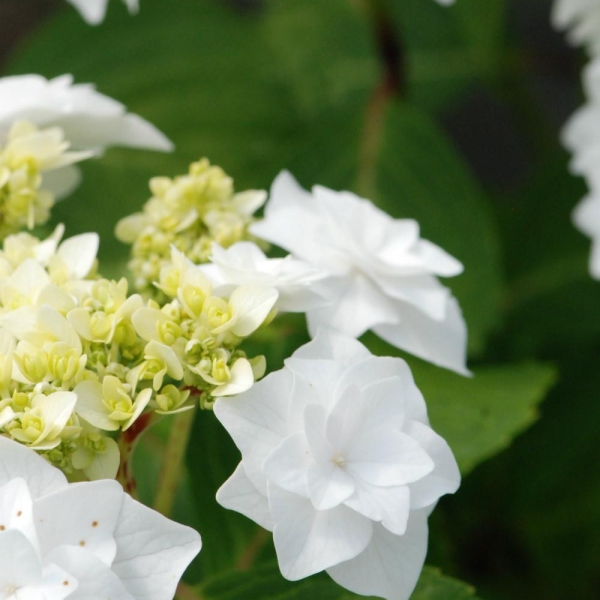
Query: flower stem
{"points": [[127, 443], [173, 461]]}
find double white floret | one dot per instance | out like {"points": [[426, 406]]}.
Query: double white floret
{"points": [[378, 273], [339, 461], [84, 540]]}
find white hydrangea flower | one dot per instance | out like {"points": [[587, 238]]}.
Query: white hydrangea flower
{"points": [[582, 20], [90, 120], [83, 540], [380, 274], [339, 461], [94, 11], [245, 263]]}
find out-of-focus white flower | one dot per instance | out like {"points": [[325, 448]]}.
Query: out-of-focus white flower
{"points": [[245, 263], [581, 136], [94, 11], [380, 274], [84, 540], [582, 20], [339, 461], [90, 120]]}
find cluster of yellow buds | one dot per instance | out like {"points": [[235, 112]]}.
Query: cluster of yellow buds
{"points": [[80, 357], [27, 154], [189, 212]]}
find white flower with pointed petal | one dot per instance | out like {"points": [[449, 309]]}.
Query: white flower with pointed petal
{"points": [[94, 11], [380, 274], [245, 263], [339, 461], [83, 540], [90, 120]]}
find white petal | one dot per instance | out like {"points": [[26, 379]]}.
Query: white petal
{"points": [[79, 253], [152, 551], [82, 515], [374, 370], [329, 344], [240, 494], [105, 464], [92, 11], [307, 540], [390, 566], [251, 306], [18, 461], [385, 457], [442, 343], [242, 379], [20, 562], [287, 464], [357, 305], [257, 421], [90, 406], [62, 182], [96, 580], [328, 485], [16, 509], [390, 505], [445, 477]]}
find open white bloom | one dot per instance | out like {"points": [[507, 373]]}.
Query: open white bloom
{"points": [[90, 120], [245, 263], [582, 20], [83, 540], [339, 461], [94, 11], [380, 274]]}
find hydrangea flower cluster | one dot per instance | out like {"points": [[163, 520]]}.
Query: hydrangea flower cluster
{"points": [[339, 461], [338, 457], [189, 212], [25, 157], [82, 357], [84, 540]]}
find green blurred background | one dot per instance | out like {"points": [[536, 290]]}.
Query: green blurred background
{"points": [[450, 116]]}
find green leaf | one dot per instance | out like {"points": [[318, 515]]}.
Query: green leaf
{"points": [[325, 51], [480, 416], [266, 583], [451, 47]]}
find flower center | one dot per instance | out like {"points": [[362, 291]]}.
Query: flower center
{"points": [[340, 461]]}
